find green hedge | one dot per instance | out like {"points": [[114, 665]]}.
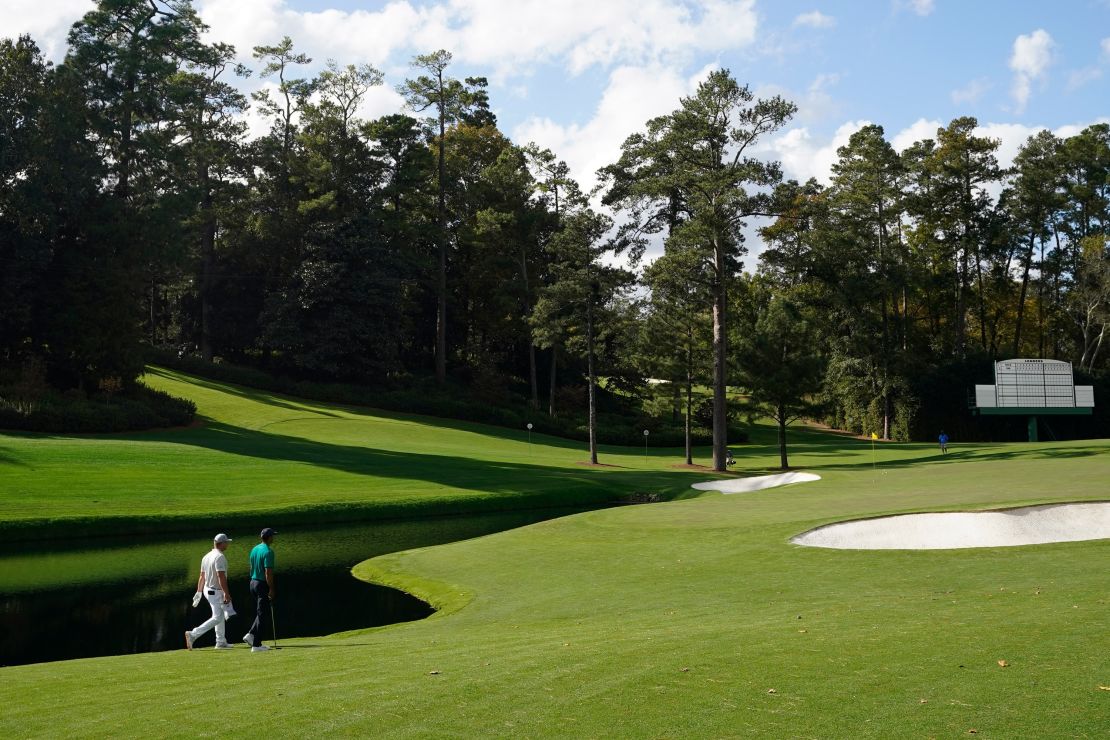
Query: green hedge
{"points": [[424, 396], [136, 410]]}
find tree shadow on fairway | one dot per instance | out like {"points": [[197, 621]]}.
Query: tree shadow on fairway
{"points": [[7, 458], [319, 646], [977, 455], [491, 476], [311, 406], [251, 394]]}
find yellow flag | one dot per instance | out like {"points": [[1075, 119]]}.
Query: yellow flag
{"points": [[874, 436]]}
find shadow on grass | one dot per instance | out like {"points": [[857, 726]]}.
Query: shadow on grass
{"points": [[959, 456], [7, 458], [318, 646], [251, 394], [489, 476], [278, 400]]}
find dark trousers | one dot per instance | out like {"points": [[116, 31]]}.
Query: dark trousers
{"points": [[260, 590]]}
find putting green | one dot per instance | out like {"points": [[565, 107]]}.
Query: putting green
{"points": [[695, 618]]}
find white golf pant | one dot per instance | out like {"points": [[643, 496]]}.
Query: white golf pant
{"points": [[215, 600]]}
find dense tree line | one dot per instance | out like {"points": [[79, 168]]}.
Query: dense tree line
{"points": [[937, 259], [135, 211]]}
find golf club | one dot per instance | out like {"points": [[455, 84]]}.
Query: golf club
{"points": [[273, 624]]}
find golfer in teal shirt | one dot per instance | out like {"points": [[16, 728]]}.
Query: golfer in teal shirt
{"points": [[262, 588]]}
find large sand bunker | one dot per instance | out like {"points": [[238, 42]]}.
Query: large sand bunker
{"points": [[1031, 525], [747, 485]]}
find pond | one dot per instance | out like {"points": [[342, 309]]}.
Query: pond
{"points": [[87, 598]]}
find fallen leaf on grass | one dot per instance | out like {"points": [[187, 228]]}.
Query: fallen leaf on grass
{"points": [[433, 673], [771, 691], [972, 731], [803, 631], [1104, 688], [1004, 663], [684, 670], [922, 701]]}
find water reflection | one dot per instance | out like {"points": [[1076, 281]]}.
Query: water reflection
{"points": [[82, 599]]}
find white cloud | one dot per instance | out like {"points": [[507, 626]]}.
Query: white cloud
{"points": [[918, 130], [510, 38], [257, 124], [804, 157], [1081, 77], [47, 21], [356, 36], [1030, 60], [815, 19], [584, 33], [380, 100], [1011, 136], [634, 95], [922, 7], [971, 92], [1078, 78], [815, 103]]}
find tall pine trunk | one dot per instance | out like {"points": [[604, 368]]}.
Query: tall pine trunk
{"points": [[551, 381], [1021, 295], [441, 282], [720, 357], [593, 379], [689, 393], [441, 276], [780, 417], [532, 375], [207, 256], [535, 401]]}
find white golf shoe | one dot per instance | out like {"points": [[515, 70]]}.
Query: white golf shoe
{"points": [[188, 639], [259, 648], [224, 646]]}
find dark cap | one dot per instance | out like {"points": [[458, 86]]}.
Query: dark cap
{"points": [[268, 532]]}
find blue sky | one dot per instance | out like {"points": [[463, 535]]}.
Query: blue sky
{"points": [[580, 75]]}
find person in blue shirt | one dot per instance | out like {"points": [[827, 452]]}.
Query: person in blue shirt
{"points": [[943, 439], [262, 588]]}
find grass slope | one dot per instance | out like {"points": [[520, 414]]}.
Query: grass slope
{"points": [[296, 460], [687, 619]]}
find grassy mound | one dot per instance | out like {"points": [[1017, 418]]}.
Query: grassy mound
{"points": [[299, 461]]}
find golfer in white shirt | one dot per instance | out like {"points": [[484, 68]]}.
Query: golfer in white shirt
{"points": [[212, 585]]}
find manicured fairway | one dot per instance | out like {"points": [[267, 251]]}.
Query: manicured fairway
{"points": [[694, 618]]}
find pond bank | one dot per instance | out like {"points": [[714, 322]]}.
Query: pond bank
{"points": [[76, 599]]}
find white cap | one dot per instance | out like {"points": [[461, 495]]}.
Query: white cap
{"points": [[221, 537]]}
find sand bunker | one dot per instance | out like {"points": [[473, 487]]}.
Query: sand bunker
{"points": [[1031, 525], [747, 485]]}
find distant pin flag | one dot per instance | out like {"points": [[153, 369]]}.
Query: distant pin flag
{"points": [[874, 436], [874, 463]]}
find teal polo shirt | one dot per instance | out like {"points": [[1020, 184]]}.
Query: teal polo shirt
{"points": [[262, 557]]}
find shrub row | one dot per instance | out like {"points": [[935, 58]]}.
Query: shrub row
{"points": [[71, 413], [423, 396]]}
